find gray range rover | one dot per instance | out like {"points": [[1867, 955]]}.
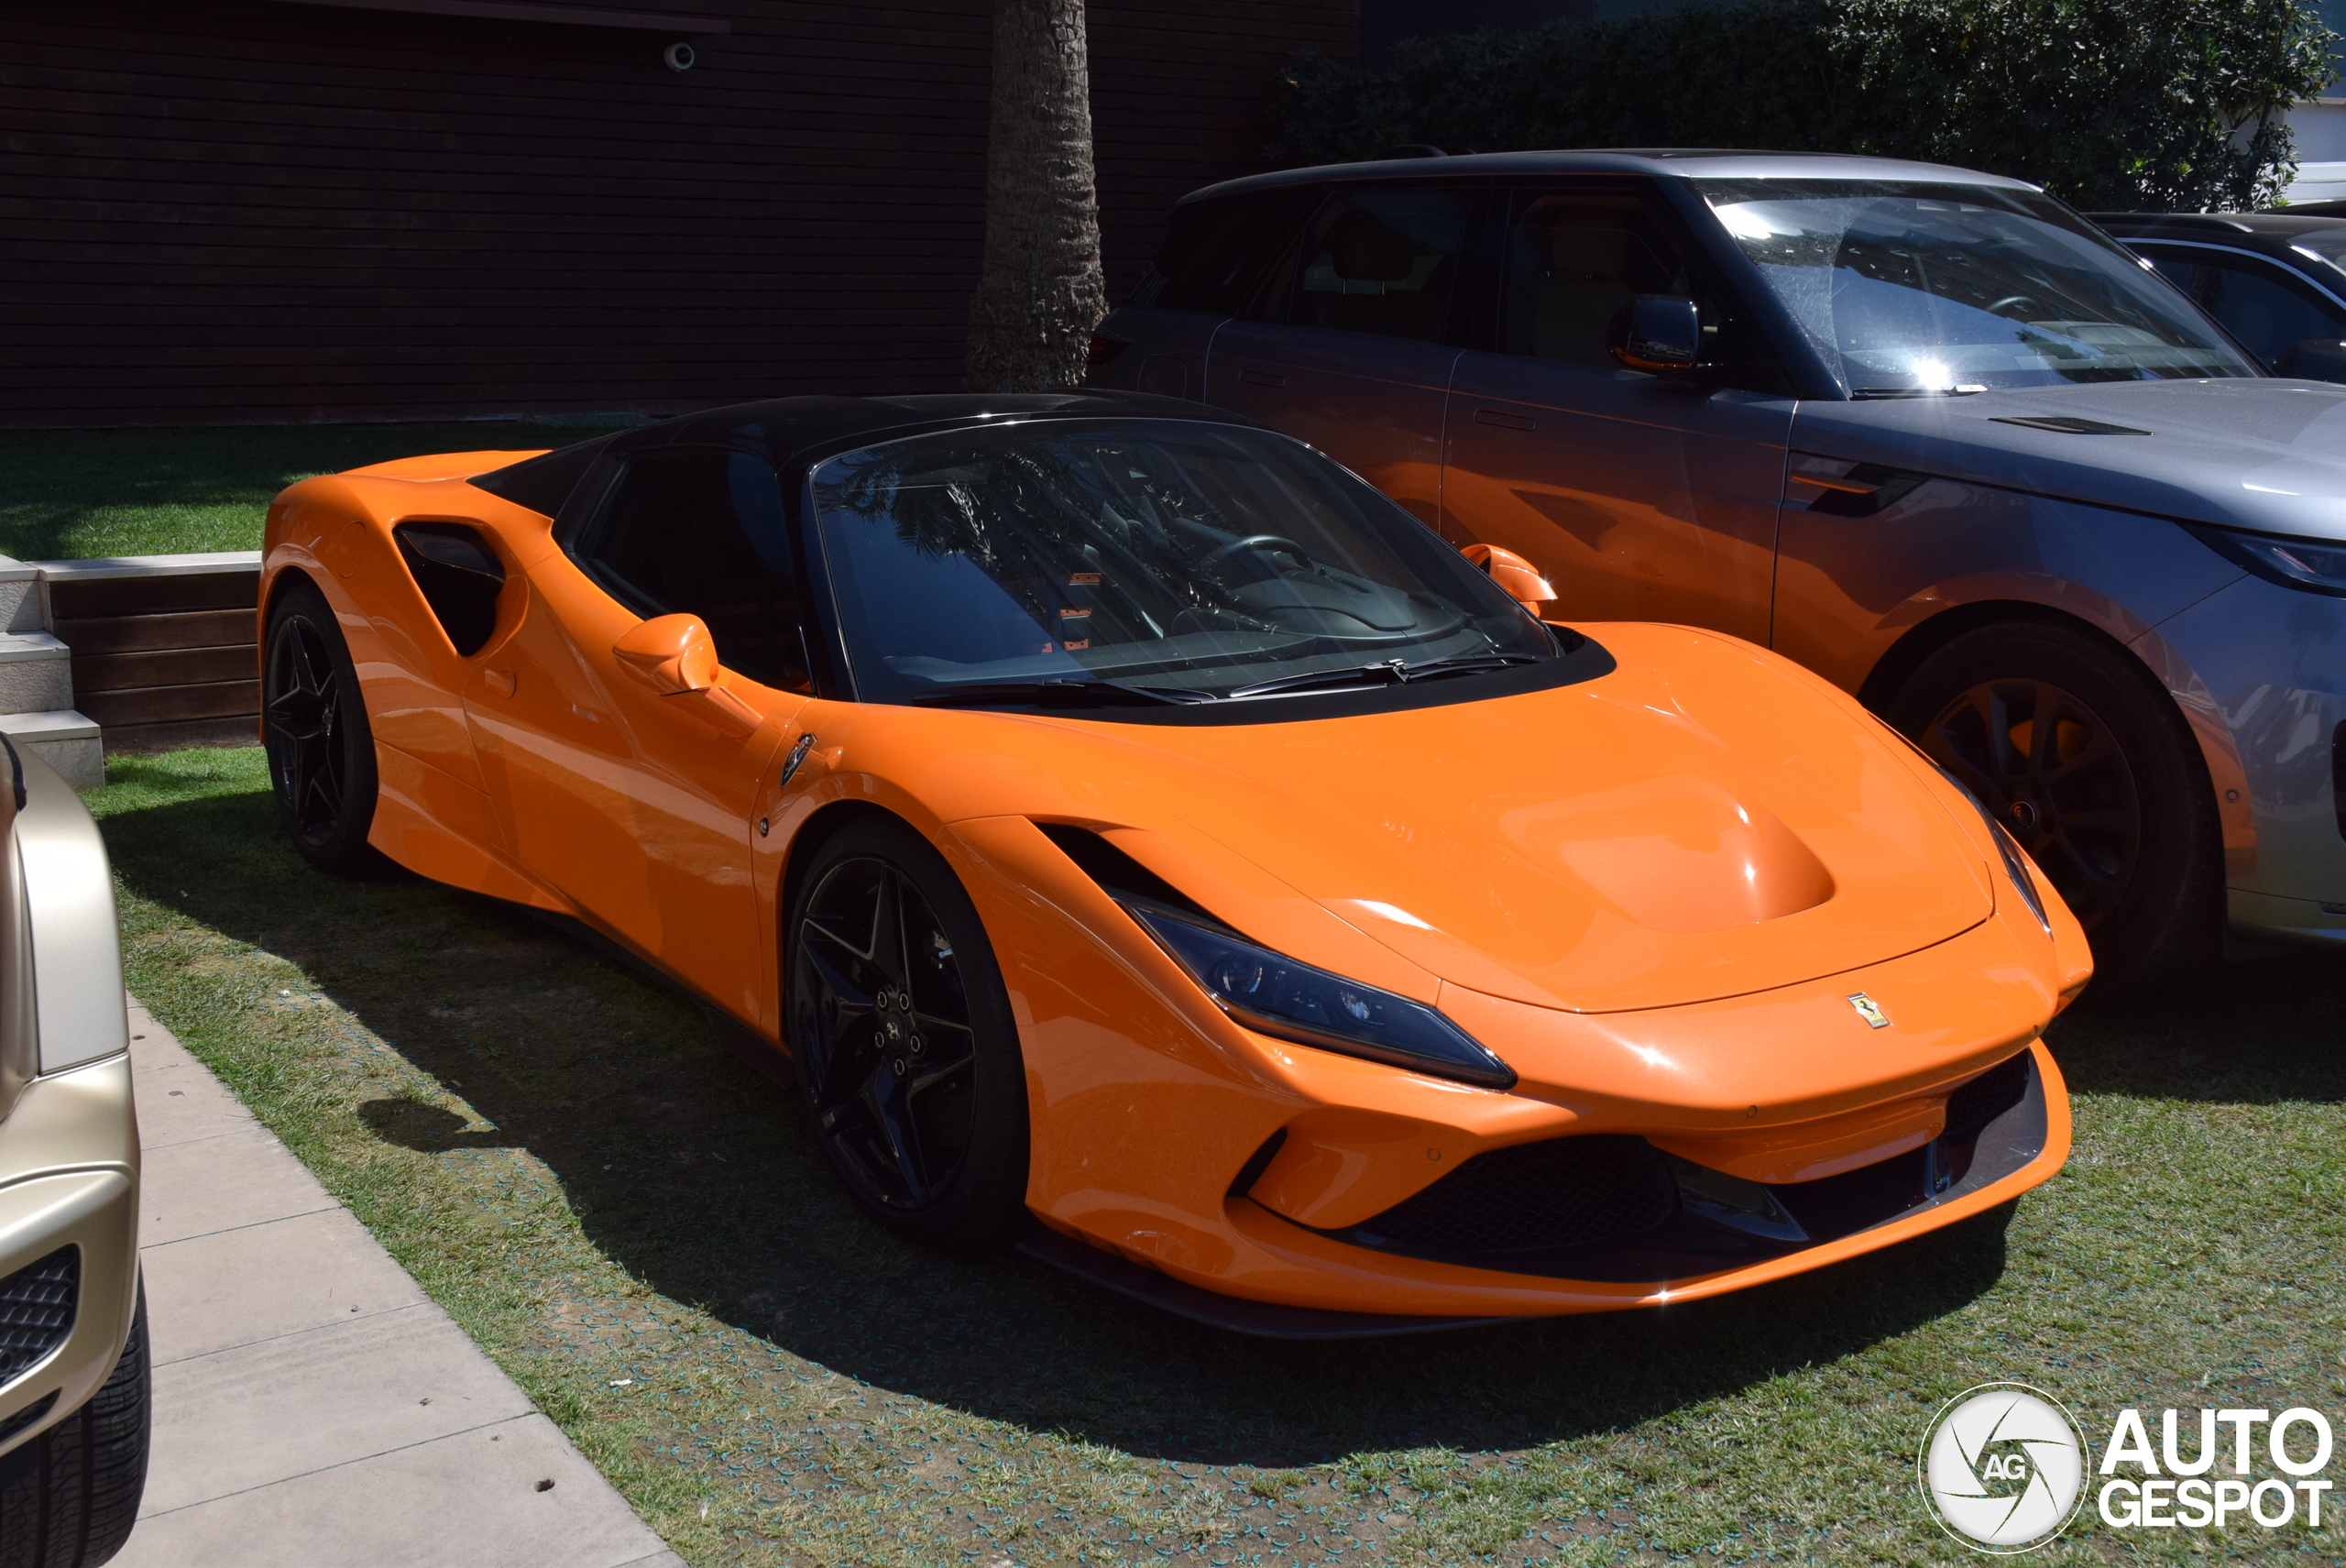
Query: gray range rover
{"points": [[1925, 431]]}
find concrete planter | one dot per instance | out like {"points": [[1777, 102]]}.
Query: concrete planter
{"points": [[134, 654]]}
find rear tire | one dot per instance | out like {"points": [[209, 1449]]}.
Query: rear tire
{"points": [[2085, 760], [320, 748], [905, 1051], [69, 1497]]}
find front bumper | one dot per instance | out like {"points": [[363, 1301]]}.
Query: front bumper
{"points": [[68, 1179], [1690, 1255], [2267, 669]]}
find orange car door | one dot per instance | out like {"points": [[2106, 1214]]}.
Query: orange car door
{"points": [[633, 805], [1640, 499]]}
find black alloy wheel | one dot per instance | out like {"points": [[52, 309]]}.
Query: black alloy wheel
{"points": [[905, 1053], [321, 749], [2089, 763]]}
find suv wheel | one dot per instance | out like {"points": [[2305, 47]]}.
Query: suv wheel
{"points": [[69, 1497], [2085, 760]]}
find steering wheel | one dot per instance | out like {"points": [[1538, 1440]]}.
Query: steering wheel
{"points": [[1263, 543], [2001, 306]]}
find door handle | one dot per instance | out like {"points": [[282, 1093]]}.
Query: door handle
{"points": [[498, 681], [1261, 378], [1505, 420]]}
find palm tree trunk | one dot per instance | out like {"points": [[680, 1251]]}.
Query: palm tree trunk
{"points": [[1040, 291]]}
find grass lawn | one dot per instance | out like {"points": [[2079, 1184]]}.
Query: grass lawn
{"points": [[640, 1231], [79, 493]]}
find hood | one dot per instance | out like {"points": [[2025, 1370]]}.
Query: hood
{"points": [[1708, 820], [2266, 454]]}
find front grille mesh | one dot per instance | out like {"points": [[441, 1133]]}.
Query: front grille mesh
{"points": [[37, 1306], [1562, 1192], [1986, 1097]]}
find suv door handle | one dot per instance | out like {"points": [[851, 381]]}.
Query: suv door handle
{"points": [[1261, 378], [1505, 420]]}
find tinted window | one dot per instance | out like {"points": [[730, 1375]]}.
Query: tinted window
{"points": [[1382, 261], [2257, 304], [1214, 251], [1573, 262], [701, 531]]}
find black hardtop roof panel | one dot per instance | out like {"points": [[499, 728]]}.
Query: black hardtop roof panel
{"points": [[787, 427]]}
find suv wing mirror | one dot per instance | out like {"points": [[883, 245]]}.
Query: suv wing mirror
{"points": [[2315, 359], [1658, 334]]}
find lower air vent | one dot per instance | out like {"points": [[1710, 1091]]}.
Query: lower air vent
{"points": [[1986, 1097], [1563, 1193], [27, 1416], [37, 1305]]}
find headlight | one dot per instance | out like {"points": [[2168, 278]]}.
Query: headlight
{"points": [[1278, 996], [2015, 863], [2311, 564]]}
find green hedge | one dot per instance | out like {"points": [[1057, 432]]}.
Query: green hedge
{"points": [[2116, 105]]}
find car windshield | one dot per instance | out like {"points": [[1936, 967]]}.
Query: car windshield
{"points": [[1191, 560], [2326, 248], [1908, 290]]}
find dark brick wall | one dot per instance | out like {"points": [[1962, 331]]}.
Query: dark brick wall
{"points": [[249, 210]]}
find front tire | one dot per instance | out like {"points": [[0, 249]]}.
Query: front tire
{"points": [[2085, 760], [69, 1497], [906, 1053], [321, 748]]}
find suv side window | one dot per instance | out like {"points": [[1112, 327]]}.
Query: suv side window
{"points": [[1382, 261], [701, 531], [2258, 303], [1573, 259], [1214, 250]]}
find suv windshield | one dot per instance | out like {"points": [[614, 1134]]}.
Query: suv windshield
{"points": [[1909, 289], [1193, 561]]}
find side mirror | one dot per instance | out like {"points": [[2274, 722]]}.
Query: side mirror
{"points": [[675, 656], [1510, 571], [1657, 335], [2315, 359]]}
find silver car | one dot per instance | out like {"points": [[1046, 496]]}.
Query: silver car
{"points": [[1925, 431], [74, 1363]]}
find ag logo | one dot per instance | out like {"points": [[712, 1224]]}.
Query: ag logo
{"points": [[2002, 1467]]}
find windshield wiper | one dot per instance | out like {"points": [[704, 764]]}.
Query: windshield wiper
{"points": [[1065, 691], [1391, 672]]}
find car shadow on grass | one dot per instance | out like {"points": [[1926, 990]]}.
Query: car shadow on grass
{"points": [[698, 1177]]}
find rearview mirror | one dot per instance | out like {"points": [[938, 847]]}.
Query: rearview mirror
{"points": [[675, 655], [1511, 572], [1657, 335]]}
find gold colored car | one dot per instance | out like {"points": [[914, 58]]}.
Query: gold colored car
{"points": [[73, 1370]]}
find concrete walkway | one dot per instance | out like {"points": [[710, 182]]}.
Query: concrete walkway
{"points": [[313, 1408]]}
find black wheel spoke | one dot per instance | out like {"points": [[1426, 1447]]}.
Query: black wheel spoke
{"points": [[883, 1096]]}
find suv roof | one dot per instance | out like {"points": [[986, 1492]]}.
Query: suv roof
{"points": [[1717, 164]]}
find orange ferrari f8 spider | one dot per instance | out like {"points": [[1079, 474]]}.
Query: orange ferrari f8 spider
{"points": [[1120, 817]]}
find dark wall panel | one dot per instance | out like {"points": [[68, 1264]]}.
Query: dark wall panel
{"points": [[242, 210]]}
